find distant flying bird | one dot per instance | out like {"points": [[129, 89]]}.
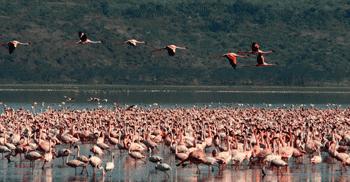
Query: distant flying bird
{"points": [[171, 49], [232, 58], [12, 45], [68, 99], [94, 99], [134, 42], [84, 39], [255, 49], [260, 58]]}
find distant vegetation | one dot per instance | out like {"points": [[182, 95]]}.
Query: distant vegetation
{"points": [[311, 40]]}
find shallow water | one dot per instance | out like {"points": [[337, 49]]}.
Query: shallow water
{"points": [[172, 96], [127, 169]]}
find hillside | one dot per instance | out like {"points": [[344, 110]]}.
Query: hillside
{"points": [[310, 39]]}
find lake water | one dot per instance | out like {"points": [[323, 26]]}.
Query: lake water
{"points": [[171, 96], [127, 169]]}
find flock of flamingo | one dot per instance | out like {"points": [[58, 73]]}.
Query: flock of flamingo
{"points": [[214, 137], [171, 49]]}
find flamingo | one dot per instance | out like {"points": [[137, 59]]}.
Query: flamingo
{"points": [[67, 138], [154, 158], [84, 39], [82, 158], [33, 156], [95, 162], [63, 153], [260, 58], [134, 146], [255, 49], [317, 158], [134, 42], [47, 157], [4, 149], [232, 58], [171, 49], [210, 161], [148, 142], [161, 166], [223, 158], [96, 150], [239, 156], [197, 157], [43, 144], [110, 165], [12, 45], [103, 145], [15, 137], [136, 155], [181, 155], [112, 140], [76, 163]]}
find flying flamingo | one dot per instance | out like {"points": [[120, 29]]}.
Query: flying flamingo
{"points": [[12, 45], [232, 58], [260, 58], [134, 42], [84, 39], [255, 49], [171, 49]]}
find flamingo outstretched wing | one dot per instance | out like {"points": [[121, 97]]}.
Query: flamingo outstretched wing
{"points": [[11, 47], [82, 36], [233, 63]]}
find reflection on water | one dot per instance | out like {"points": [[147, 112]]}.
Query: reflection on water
{"points": [[127, 169]]}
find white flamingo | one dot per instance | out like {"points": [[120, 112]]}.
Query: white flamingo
{"points": [[12, 45], [83, 39]]}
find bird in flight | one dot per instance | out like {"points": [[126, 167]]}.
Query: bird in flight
{"points": [[134, 42], [232, 58], [171, 49], [12, 45], [83, 39], [68, 99], [260, 59]]}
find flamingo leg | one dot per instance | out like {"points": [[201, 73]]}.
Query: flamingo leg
{"points": [[33, 166], [166, 174], [198, 171], [43, 165]]}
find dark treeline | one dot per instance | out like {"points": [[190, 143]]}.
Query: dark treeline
{"points": [[310, 39]]}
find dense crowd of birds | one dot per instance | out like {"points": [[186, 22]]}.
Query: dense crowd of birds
{"points": [[171, 49], [215, 137]]}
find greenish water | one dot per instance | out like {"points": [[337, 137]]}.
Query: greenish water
{"points": [[22, 95]]}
